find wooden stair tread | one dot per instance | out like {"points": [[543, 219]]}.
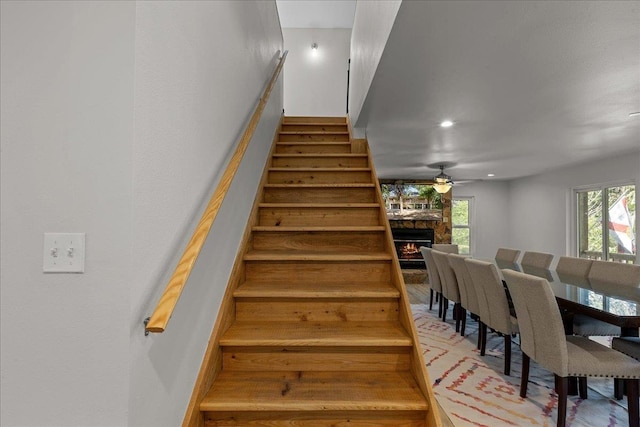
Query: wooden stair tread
{"points": [[313, 132], [331, 185], [319, 169], [314, 119], [313, 142], [295, 255], [319, 205], [355, 228], [306, 155], [314, 391], [332, 334], [314, 290]]}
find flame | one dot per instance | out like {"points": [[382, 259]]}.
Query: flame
{"points": [[409, 249]]}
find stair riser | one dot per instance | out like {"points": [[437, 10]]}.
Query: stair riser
{"points": [[298, 217], [320, 162], [361, 272], [319, 177], [316, 419], [308, 137], [338, 241], [310, 148], [314, 120], [319, 195], [316, 359], [315, 310], [286, 127]]}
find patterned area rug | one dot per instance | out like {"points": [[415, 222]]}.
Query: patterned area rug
{"points": [[474, 391]]}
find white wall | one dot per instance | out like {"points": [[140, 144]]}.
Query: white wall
{"points": [[117, 118], [490, 216], [67, 126], [536, 213], [540, 206], [316, 83], [371, 28], [200, 69]]}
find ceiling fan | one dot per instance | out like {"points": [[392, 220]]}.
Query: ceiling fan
{"points": [[443, 182]]}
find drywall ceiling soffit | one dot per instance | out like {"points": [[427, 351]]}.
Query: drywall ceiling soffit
{"points": [[532, 86]]}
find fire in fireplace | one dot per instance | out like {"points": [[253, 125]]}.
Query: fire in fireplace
{"points": [[410, 249], [408, 242]]}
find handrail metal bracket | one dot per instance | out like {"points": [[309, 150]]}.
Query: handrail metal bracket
{"points": [[146, 322]]}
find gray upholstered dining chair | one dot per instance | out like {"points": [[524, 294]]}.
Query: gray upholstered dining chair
{"points": [[613, 274], [468, 298], [629, 346], [543, 339], [507, 254], [536, 259], [617, 273], [494, 310], [434, 278], [445, 247], [450, 290], [572, 266]]}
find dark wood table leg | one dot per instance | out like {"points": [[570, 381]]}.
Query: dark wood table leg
{"points": [[628, 332]]}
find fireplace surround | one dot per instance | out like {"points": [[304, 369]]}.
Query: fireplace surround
{"points": [[407, 242]]}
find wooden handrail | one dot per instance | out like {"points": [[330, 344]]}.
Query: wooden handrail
{"points": [[164, 309]]}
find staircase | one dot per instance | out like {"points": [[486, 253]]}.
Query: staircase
{"points": [[320, 331]]}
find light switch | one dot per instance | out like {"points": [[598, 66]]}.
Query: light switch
{"points": [[63, 253]]}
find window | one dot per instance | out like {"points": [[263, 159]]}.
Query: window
{"points": [[461, 224], [606, 223], [606, 231]]}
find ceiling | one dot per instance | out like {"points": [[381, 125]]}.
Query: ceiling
{"points": [[531, 86], [316, 14]]}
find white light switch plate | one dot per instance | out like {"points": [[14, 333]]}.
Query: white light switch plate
{"points": [[63, 253]]}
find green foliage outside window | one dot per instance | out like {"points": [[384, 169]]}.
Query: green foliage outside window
{"points": [[593, 233], [460, 233]]}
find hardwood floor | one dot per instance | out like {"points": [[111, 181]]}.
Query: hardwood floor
{"points": [[419, 294]]}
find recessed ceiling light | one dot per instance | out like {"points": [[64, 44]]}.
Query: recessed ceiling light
{"points": [[637, 113], [491, 174], [446, 124]]}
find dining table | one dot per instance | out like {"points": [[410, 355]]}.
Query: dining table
{"points": [[601, 300]]}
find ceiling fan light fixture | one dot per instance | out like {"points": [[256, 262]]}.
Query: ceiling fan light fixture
{"points": [[443, 181], [442, 188]]}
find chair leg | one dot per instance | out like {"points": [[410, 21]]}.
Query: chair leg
{"points": [[632, 399], [479, 334], [562, 401], [507, 354], [439, 298], [457, 315], [464, 321], [430, 299], [483, 344], [445, 306], [524, 377], [582, 387], [618, 388]]}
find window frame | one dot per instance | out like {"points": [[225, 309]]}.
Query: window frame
{"points": [[574, 235], [574, 244], [470, 226]]}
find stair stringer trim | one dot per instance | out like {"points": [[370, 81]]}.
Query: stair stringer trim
{"points": [[418, 366]]}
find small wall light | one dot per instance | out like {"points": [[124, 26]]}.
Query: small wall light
{"points": [[314, 47]]}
